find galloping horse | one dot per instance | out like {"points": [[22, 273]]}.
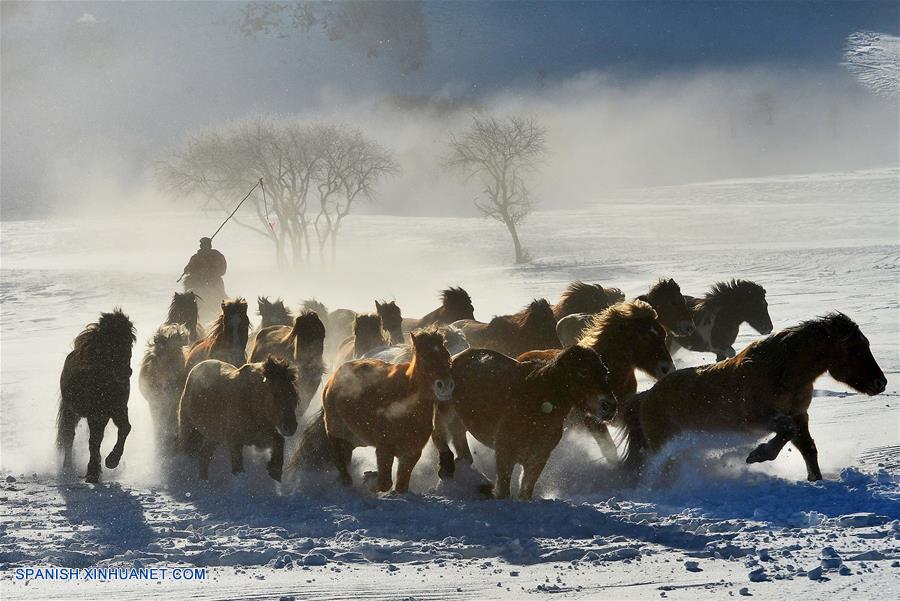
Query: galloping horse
{"points": [[273, 313], [767, 387], [161, 381], [456, 304], [227, 338], [391, 407], [183, 311], [626, 336], [719, 314], [518, 409], [254, 405], [95, 384], [301, 344], [665, 298], [368, 334], [532, 328], [391, 320], [579, 297]]}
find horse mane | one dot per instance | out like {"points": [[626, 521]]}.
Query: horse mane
{"points": [[277, 310], [614, 319], [307, 326], [168, 333], [661, 286], [428, 334], [614, 295], [772, 349], [217, 327], [454, 296], [580, 297], [183, 301], [368, 325], [111, 326], [538, 311], [278, 369], [730, 292], [314, 306]]}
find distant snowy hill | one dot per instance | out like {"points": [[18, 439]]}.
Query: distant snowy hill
{"points": [[874, 58]]}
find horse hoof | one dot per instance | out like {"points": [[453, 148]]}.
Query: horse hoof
{"points": [[92, 478], [486, 491], [275, 474], [112, 462]]}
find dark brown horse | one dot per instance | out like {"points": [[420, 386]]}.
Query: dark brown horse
{"points": [[666, 299], [766, 388], [519, 409], [227, 338], [390, 407], [161, 380], [368, 334], [579, 297], [95, 384], [183, 311], [532, 328], [391, 320], [719, 314], [251, 405], [273, 313], [626, 336], [301, 344], [456, 304]]}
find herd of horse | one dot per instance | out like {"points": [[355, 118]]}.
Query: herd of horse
{"points": [[514, 383]]}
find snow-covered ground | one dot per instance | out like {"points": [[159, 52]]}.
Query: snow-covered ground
{"points": [[816, 242]]}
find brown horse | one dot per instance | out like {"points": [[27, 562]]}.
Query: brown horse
{"points": [[519, 409], [767, 387], [456, 304], [369, 402], [665, 298], [250, 405], [579, 297], [719, 314], [391, 320], [670, 306], [368, 334], [227, 338], [273, 313], [627, 336], [532, 328], [95, 384], [161, 381], [183, 311], [300, 344]]}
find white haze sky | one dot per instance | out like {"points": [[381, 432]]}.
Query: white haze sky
{"points": [[632, 94]]}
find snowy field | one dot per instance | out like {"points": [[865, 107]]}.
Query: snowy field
{"points": [[720, 528]]}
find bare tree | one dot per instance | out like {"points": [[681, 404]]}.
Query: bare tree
{"points": [[293, 159], [499, 153], [350, 167]]}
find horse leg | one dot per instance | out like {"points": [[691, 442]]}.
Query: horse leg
{"points": [[446, 467], [385, 460], [96, 426], [342, 454], [123, 427], [275, 466], [206, 453], [807, 447], [405, 465], [66, 435], [785, 429], [603, 438], [531, 471], [236, 452], [505, 465], [460, 441]]}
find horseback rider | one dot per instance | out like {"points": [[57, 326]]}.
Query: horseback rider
{"points": [[203, 273]]}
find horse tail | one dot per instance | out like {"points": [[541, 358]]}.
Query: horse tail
{"points": [[314, 452], [632, 434]]}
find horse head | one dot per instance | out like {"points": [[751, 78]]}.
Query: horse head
{"points": [[666, 299], [279, 406], [431, 363], [851, 360]]}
